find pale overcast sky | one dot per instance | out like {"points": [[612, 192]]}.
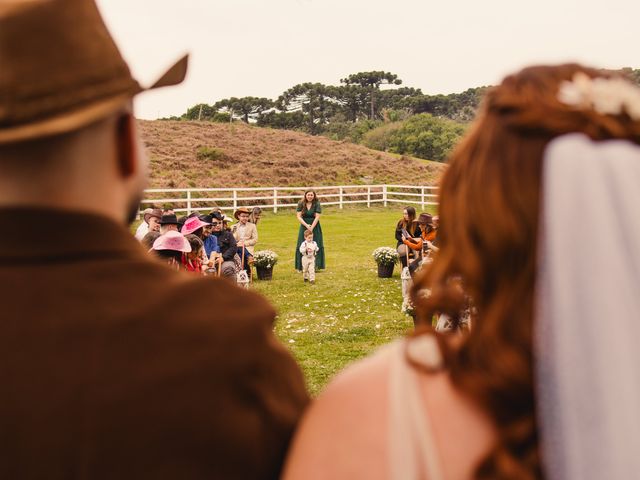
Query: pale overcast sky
{"points": [[262, 47]]}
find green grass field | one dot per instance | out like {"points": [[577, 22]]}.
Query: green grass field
{"points": [[349, 311]]}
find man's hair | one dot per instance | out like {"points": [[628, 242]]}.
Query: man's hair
{"points": [[148, 239]]}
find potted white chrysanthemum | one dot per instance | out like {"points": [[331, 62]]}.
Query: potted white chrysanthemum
{"points": [[386, 258], [264, 260]]}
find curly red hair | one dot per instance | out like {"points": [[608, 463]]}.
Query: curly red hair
{"points": [[489, 209]]}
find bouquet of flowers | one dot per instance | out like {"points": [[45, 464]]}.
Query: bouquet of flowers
{"points": [[385, 256], [265, 258]]}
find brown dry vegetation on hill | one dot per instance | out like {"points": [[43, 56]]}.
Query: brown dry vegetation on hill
{"points": [[204, 154]]}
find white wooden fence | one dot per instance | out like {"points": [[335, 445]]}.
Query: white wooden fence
{"points": [[189, 199]]}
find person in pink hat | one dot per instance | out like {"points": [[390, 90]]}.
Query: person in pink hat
{"points": [[170, 247], [192, 225], [201, 228]]}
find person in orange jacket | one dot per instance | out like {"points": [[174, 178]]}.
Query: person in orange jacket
{"points": [[424, 243]]}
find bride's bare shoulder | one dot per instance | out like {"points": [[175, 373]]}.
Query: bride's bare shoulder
{"points": [[346, 423], [344, 433]]}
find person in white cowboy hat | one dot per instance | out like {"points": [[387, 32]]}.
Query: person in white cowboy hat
{"points": [[143, 228], [109, 374]]}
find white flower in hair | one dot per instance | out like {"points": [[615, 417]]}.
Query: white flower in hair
{"points": [[607, 96], [577, 92]]}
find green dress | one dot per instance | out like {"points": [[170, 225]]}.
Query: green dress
{"points": [[309, 216]]}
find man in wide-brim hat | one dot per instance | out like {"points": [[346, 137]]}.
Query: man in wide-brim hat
{"points": [[168, 223], [240, 210], [121, 368], [150, 222], [246, 235]]}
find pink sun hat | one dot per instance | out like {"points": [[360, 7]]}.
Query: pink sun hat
{"points": [[172, 240], [192, 224]]}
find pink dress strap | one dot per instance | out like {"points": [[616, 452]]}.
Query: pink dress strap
{"points": [[413, 454]]}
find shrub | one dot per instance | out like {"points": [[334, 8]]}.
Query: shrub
{"points": [[381, 138], [344, 130], [428, 137], [209, 153], [423, 136]]}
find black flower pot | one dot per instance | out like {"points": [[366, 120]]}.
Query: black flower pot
{"points": [[264, 273], [385, 271]]}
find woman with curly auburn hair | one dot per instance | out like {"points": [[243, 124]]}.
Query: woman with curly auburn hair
{"points": [[553, 149]]}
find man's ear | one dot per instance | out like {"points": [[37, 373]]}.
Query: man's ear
{"points": [[128, 161]]}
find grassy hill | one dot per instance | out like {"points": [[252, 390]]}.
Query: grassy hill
{"points": [[204, 154]]}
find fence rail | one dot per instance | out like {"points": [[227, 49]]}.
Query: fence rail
{"points": [[188, 199]]}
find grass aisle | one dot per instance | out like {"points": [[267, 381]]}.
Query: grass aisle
{"points": [[349, 311]]}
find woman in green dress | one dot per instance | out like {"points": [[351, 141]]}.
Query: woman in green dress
{"points": [[308, 214]]}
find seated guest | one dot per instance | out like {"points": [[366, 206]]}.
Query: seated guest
{"points": [[193, 225], [192, 261], [148, 239], [407, 227], [150, 222], [181, 221], [170, 247], [226, 244], [246, 235], [422, 245], [168, 222], [210, 241], [143, 228], [256, 213], [200, 226]]}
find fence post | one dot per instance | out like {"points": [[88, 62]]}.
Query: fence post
{"points": [[188, 201], [275, 200], [340, 197], [368, 197], [384, 195], [235, 200], [422, 198]]}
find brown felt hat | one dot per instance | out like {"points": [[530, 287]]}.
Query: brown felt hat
{"points": [[425, 218], [240, 210], [60, 69], [156, 212]]}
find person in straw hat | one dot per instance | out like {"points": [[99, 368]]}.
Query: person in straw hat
{"points": [[107, 374], [246, 235]]}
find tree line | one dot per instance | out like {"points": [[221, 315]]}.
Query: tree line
{"points": [[311, 106], [372, 108]]}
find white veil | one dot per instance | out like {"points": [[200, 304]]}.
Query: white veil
{"points": [[587, 339]]}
